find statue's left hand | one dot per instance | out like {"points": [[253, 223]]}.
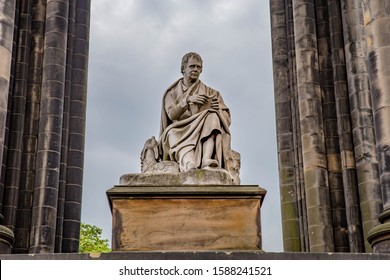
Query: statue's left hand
{"points": [[215, 104]]}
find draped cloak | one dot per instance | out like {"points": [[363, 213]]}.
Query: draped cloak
{"points": [[194, 125]]}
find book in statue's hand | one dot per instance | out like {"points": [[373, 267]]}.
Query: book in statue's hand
{"points": [[207, 105]]}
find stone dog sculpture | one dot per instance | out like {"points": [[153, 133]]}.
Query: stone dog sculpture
{"points": [[194, 131]]}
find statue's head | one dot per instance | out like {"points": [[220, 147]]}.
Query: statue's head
{"points": [[186, 57]]}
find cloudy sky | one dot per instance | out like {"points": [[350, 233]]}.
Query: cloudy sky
{"points": [[136, 48]]}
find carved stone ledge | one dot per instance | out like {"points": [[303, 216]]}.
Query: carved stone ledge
{"points": [[379, 236], [199, 177], [6, 240]]}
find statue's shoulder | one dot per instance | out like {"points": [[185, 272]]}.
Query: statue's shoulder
{"points": [[173, 86], [209, 89]]}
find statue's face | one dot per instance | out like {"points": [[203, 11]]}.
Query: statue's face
{"points": [[192, 70]]}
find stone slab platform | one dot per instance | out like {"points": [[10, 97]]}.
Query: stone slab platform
{"points": [[182, 218], [197, 177], [204, 255]]}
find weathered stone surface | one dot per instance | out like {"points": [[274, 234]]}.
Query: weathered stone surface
{"points": [[330, 84], [199, 255], [6, 240], [192, 177], [163, 167], [186, 224], [186, 218], [379, 238], [43, 88]]}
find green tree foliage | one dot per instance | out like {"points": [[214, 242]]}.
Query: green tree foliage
{"points": [[91, 240]]}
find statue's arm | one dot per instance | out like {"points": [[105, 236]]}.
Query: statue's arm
{"points": [[173, 108], [224, 109], [226, 114]]}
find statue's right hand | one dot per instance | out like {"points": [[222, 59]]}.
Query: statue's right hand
{"points": [[197, 99]]}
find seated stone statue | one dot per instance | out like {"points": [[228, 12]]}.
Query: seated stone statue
{"points": [[194, 130]]}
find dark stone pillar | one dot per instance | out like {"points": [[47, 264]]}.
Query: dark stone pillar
{"points": [[43, 86], [50, 129], [17, 114], [7, 14], [31, 127], [65, 128], [77, 117], [286, 155], [312, 131], [361, 114], [377, 22]]}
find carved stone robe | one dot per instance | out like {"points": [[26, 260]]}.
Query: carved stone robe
{"points": [[185, 126]]}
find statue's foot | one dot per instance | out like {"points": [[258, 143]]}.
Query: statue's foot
{"points": [[209, 163], [190, 165]]}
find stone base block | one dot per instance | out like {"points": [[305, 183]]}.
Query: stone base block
{"points": [[6, 240], [379, 236], [197, 177], [186, 218]]}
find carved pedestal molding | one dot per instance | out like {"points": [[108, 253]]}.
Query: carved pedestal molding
{"points": [[198, 177], [6, 239], [379, 236]]}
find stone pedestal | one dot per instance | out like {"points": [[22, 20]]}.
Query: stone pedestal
{"points": [[186, 218]]}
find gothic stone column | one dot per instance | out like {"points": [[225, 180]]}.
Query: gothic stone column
{"points": [[377, 21]]}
